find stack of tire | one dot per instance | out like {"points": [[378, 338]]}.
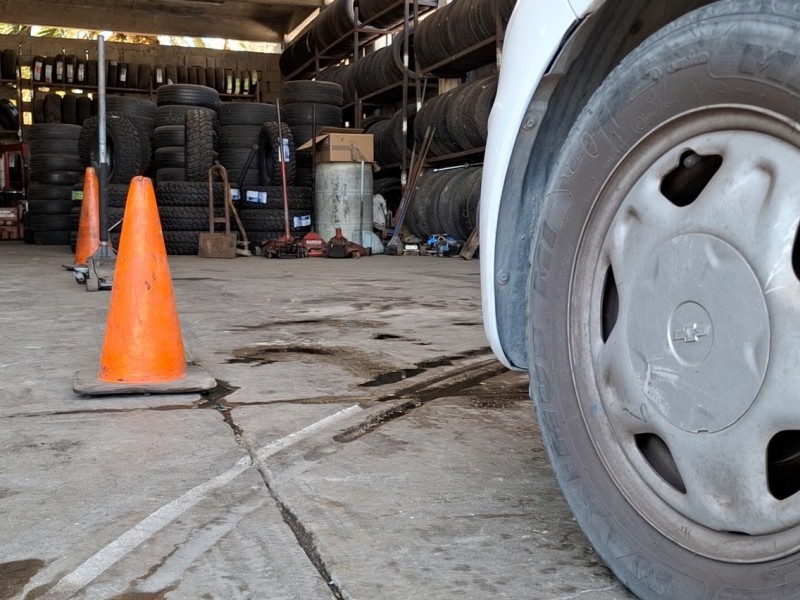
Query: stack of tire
{"points": [[370, 9], [388, 136], [240, 125], [343, 75], [66, 69], [446, 202], [308, 106], [455, 28], [180, 155], [243, 127], [381, 69], [123, 75], [185, 141], [461, 117], [224, 81], [55, 167], [70, 109], [330, 35]]}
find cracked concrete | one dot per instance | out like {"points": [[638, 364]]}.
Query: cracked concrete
{"points": [[293, 479]]}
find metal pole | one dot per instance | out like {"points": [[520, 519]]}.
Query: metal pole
{"points": [[102, 176]]}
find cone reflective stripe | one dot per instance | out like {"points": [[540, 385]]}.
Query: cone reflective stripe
{"points": [[143, 342], [89, 225], [143, 348]]}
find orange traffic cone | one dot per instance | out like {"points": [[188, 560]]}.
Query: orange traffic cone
{"points": [[143, 349], [89, 227]]}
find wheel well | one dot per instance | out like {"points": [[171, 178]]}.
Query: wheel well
{"points": [[591, 51]]}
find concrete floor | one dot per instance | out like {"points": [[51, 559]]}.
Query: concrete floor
{"points": [[293, 479]]}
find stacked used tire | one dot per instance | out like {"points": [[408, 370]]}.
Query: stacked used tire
{"points": [[461, 117], [240, 125], [455, 28], [263, 215], [388, 136], [185, 134], [71, 109], [307, 107], [186, 141], [446, 202], [55, 167]]}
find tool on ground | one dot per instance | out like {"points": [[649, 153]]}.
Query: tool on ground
{"points": [[340, 247], [143, 348], [287, 246], [394, 247], [213, 244], [101, 265], [315, 245]]}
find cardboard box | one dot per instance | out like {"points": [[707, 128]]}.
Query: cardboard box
{"points": [[342, 145]]}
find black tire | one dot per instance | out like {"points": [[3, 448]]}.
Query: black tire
{"points": [[238, 136], [80, 71], [270, 141], [319, 92], [145, 75], [175, 114], [54, 131], [170, 75], [169, 135], [186, 94], [51, 238], [68, 178], [38, 207], [38, 110], [210, 77], [191, 75], [306, 113], [684, 499], [9, 115], [123, 75], [37, 68], [52, 108], [200, 76], [201, 145], [124, 148], [38, 192], [51, 222], [52, 146], [83, 109], [8, 64], [234, 160], [187, 193], [170, 157], [55, 162], [271, 219], [91, 72], [159, 76], [112, 73], [69, 109], [300, 198], [219, 80], [170, 174], [182, 242], [132, 107], [59, 68], [185, 218], [246, 113], [183, 76]]}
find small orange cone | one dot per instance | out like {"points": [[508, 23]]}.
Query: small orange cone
{"points": [[143, 349], [89, 227]]}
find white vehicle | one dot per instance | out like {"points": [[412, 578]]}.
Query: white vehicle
{"points": [[639, 224]]}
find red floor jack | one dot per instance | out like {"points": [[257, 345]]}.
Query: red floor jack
{"points": [[287, 246]]}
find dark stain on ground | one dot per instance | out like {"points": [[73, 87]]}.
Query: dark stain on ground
{"points": [[273, 354], [359, 363], [387, 336], [337, 323], [15, 575], [421, 367], [194, 279], [467, 324]]}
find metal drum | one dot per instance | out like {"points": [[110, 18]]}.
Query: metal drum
{"points": [[343, 198]]}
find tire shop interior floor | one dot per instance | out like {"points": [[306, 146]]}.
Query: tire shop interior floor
{"points": [[362, 443]]}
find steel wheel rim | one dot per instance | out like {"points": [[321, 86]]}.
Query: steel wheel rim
{"points": [[635, 239]]}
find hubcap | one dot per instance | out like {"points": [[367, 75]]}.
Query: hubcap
{"points": [[698, 332], [683, 321]]}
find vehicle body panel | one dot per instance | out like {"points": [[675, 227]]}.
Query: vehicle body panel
{"points": [[532, 41]]}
